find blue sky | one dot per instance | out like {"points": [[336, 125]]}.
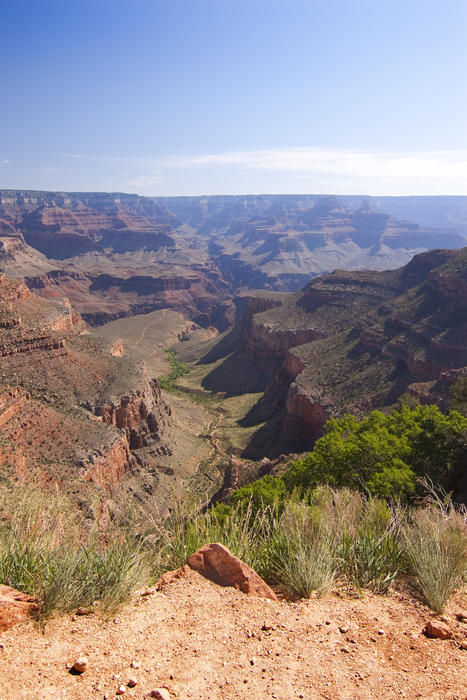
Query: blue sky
{"points": [[168, 97]]}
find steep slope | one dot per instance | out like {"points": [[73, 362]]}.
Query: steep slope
{"points": [[73, 410], [346, 342]]}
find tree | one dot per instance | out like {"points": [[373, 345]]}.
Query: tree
{"points": [[384, 454], [267, 491], [459, 396]]}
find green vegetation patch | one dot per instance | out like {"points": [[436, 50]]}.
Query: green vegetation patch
{"points": [[178, 369], [385, 455]]}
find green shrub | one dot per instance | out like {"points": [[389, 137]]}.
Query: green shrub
{"points": [[178, 369], [269, 491], [384, 455]]}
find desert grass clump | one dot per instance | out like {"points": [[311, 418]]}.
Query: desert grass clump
{"points": [[371, 553], [435, 543], [301, 551], [370, 561], [49, 553]]}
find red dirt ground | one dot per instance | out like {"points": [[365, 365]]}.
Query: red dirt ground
{"points": [[202, 641]]}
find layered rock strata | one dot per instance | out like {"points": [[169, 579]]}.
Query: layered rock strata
{"points": [[72, 407], [354, 342]]}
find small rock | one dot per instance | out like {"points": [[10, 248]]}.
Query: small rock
{"points": [[380, 631], [343, 629], [461, 615], [132, 682], [435, 628], [160, 693], [120, 690], [253, 661], [267, 625], [81, 664], [83, 611], [345, 650], [327, 622], [134, 664], [463, 645], [148, 591]]}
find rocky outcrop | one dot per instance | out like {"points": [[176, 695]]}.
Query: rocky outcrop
{"points": [[28, 345], [12, 290], [69, 321], [108, 469], [116, 348], [217, 563], [305, 417], [273, 341], [15, 607], [11, 402], [141, 414]]}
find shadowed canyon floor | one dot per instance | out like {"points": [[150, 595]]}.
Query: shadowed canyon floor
{"points": [[199, 640]]}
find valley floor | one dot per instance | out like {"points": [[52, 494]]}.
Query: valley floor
{"points": [[199, 640]]}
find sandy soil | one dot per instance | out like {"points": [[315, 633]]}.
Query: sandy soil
{"points": [[199, 640]]}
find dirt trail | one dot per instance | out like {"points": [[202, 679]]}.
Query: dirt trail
{"points": [[207, 642], [153, 323]]}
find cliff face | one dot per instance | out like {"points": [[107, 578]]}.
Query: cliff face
{"points": [[278, 242], [142, 415], [62, 225], [354, 342], [82, 410], [89, 246], [108, 469]]}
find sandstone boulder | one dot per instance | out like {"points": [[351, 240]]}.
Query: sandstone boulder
{"points": [[436, 628], [218, 564], [14, 606]]}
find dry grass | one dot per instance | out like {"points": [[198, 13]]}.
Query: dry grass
{"points": [[303, 547]]}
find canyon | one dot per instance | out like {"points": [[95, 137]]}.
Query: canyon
{"points": [[244, 290], [346, 342], [115, 255]]}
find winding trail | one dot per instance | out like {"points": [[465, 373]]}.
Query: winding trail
{"points": [[153, 323]]}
